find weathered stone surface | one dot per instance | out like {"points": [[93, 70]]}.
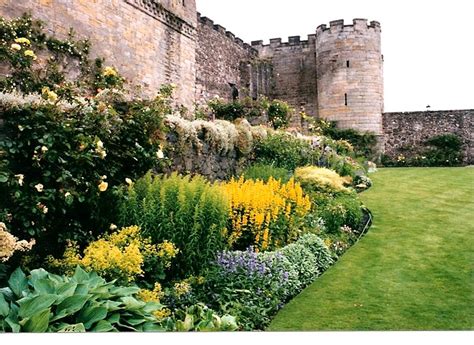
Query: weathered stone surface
{"points": [[350, 74], [222, 60], [410, 129], [150, 42]]}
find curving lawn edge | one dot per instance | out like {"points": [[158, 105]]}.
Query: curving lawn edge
{"points": [[414, 270]]}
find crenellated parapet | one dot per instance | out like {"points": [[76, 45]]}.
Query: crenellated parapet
{"points": [[358, 25], [207, 22], [291, 42]]}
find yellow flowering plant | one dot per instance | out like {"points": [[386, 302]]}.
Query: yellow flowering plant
{"points": [[265, 215], [124, 255]]}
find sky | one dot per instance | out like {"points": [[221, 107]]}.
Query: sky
{"points": [[428, 46]]}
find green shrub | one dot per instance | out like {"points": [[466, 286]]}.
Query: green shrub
{"points": [[303, 261], [440, 150], [339, 211], [364, 144], [319, 249], [227, 111], [444, 150], [62, 166], [264, 172], [189, 212], [279, 114], [252, 286], [283, 150]]}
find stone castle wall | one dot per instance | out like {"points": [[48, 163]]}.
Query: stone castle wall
{"points": [[350, 74], [406, 132], [143, 39], [293, 73], [222, 60]]}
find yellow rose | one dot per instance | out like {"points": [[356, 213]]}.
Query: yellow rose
{"points": [[52, 96], [23, 40], [30, 53], [160, 154], [103, 186], [109, 71], [15, 46]]}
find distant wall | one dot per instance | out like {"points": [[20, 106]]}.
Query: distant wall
{"points": [[407, 131], [221, 60], [143, 39]]}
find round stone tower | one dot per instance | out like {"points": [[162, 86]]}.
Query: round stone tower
{"points": [[350, 74]]}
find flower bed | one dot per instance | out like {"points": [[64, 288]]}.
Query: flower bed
{"points": [[130, 248]]}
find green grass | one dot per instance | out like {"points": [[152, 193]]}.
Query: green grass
{"points": [[414, 270]]}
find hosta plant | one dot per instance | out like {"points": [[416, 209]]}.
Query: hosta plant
{"points": [[44, 302]]}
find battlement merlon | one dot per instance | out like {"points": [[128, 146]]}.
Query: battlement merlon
{"points": [[278, 42], [358, 24]]}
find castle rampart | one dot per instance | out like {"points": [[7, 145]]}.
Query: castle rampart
{"points": [[223, 62], [293, 72], [350, 74]]}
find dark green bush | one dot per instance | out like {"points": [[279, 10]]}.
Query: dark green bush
{"points": [[444, 150], [189, 212], [61, 166], [264, 172], [227, 111]]}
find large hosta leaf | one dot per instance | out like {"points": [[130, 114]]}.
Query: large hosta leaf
{"points": [[18, 282], [103, 326], [70, 306], [4, 306], [34, 305], [43, 286], [92, 314], [39, 322]]}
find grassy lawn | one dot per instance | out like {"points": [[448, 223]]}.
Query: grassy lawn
{"points": [[414, 270]]}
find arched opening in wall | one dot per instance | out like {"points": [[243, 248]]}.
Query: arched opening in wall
{"points": [[345, 99], [234, 92], [348, 64]]}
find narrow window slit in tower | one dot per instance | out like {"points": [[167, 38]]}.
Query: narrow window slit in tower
{"points": [[348, 64], [345, 99]]}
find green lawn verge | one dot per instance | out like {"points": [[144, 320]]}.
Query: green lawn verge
{"points": [[414, 270]]}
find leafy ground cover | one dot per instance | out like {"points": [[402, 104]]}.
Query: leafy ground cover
{"points": [[413, 270]]}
